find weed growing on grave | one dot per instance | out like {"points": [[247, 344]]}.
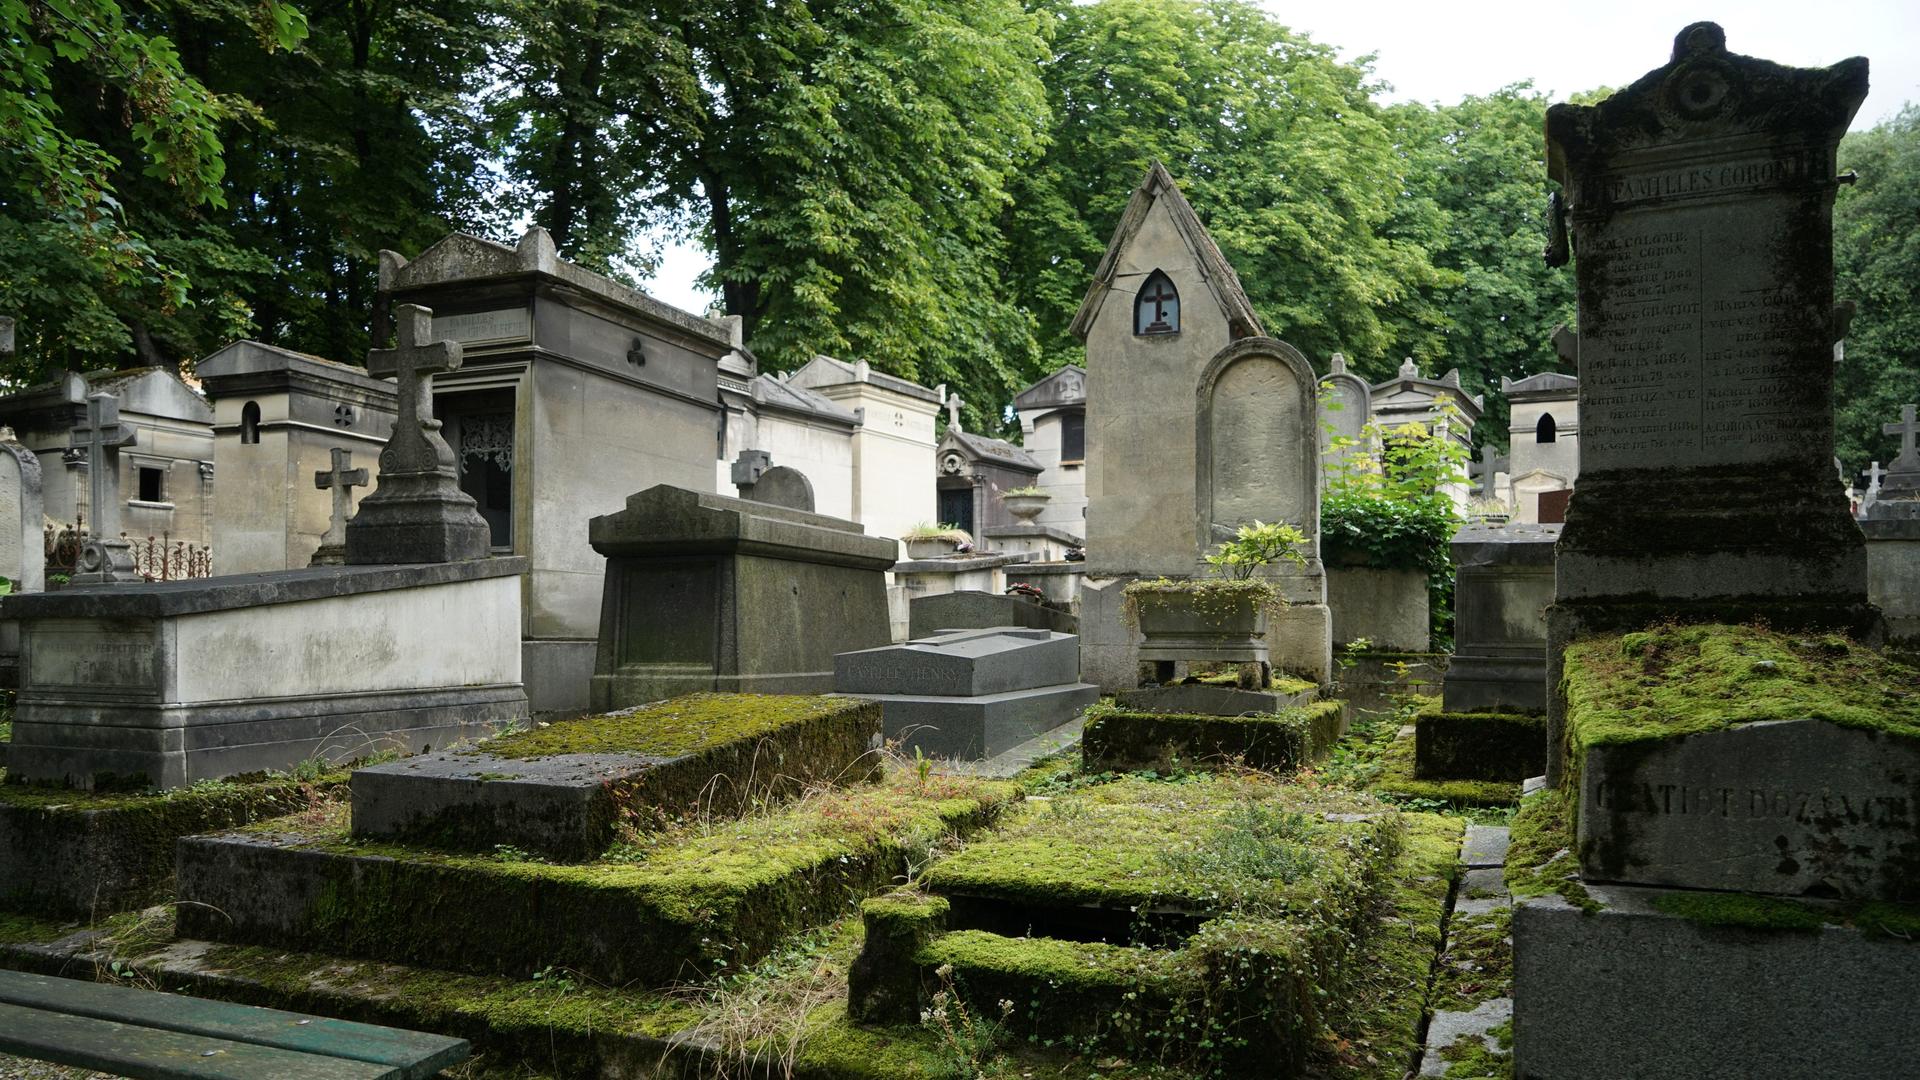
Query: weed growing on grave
{"points": [[966, 1036]]}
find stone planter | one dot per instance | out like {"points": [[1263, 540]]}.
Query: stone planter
{"points": [[1025, 507], [929, 549], [1181, 624]]}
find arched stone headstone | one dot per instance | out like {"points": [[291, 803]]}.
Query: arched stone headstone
{"points": [[1258, 445], [23, 555], [1346, 408], [782, 486]]}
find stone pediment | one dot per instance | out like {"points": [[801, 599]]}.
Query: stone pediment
{"points": [[1158, 190], [1063, 388], [993, 451]]}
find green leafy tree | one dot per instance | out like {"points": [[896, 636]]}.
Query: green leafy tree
{"points": [[846, 165], [94, 102], [1482, 163], [1876, 238], [1276, 142]]}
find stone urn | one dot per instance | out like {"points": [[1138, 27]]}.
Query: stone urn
{"points": [[1026, 507], [1201, 621]]}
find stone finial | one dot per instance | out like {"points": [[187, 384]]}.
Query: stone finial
{"points": [[1409, 369], [105, 558], [748, 468], [417, 512], [1338, 364], [1908, 428], [537, 250], [341, 479], [862, 371], [953, 413]]}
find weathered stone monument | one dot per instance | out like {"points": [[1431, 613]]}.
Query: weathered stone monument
{"points": [[1503, 582], [970, 693], [1197, 423], [166, 684], [418, 514], [340, 480], [1892, 527], [706, 592], [104, 557], [1716, 722]]}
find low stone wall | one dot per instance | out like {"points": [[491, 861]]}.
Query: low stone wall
{"points": [[1118, 740]]}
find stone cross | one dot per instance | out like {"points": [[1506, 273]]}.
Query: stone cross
{"points": [[104, 558], [1908, 429], [417, 512], [1490, 463], [341, 479], [953, 412], [416, 443], [1160, 297]]}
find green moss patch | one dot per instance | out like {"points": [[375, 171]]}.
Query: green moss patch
{"points": [[672, 728], [1395, 779], [68, 853], [1671, 681], [1477, 965], [1372, 1024], [1739, 909], [1507, 747], [1540, 851], [675, 906], [1119, 740]]}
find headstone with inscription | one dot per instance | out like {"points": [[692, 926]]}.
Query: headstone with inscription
{"points": [[1700, 201]]}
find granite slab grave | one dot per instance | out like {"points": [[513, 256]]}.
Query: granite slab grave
{"points": [[173, 682], [1121, 739], [970, 693], [706, 592], [713, 753], [1479, 746], [965, 609], [1216, 699]]}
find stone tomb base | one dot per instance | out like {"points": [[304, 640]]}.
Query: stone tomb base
{"points": [[972, 609], [1212, 699], [561, 791], [1479, 746], [971, 693], [1636, 991], [165, 684], [1125, 740]]}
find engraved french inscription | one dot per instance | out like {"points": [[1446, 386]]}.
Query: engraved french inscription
{"points": [[485, 327], [80, 655]]}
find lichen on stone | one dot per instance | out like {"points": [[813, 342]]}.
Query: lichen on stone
{"points": [[670, 728]]}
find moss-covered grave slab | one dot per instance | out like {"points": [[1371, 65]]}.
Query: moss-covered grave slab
{"points": [[666, 906], [1745, 759], [1206, 921], [76, 854], [1124, 740], [1478, 746], [562, 790], [1395, 779], [1217, 696]]}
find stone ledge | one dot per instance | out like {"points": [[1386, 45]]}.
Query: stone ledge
{"points": [[959, 563], [162, 599]]}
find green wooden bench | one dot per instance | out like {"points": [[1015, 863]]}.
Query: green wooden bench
{"points": [[146, 1034]]}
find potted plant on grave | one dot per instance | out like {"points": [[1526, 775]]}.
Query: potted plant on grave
{"points": [[1221, 618], [926, 541], [1026, 503]]}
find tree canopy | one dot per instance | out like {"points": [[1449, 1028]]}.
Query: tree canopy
{"points": [[924, 185]]}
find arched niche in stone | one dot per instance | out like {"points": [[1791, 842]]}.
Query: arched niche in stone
{"points": [[1258, 441]]}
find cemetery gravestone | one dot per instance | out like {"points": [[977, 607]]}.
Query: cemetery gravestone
{"points": [[970, 693], [104, 558], [1502, 586], [706, 592], [1891, 521], [782, 486], [340, 480], [1346, 409], [418, 514], [1700, 201]]}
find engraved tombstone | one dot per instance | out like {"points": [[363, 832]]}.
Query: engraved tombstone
{"points": [[1346, 407], [1700, 203]]}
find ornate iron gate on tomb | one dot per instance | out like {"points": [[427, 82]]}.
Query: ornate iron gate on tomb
{"points": [[156, 558]]}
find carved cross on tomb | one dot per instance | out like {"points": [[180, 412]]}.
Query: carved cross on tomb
{"points": [[341, 479], [1160, 297], [1908, 429], [104, 557], [416, 445]]}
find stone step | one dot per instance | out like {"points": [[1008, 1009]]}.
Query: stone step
{"points": [[703, 753], [962, 663], [701, 900], [983, 726]]}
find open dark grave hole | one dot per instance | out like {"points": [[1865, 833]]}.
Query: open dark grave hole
{"points": [[1155, 927]]}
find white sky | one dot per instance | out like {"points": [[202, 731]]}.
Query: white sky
{"points": [[1433, 50]]}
